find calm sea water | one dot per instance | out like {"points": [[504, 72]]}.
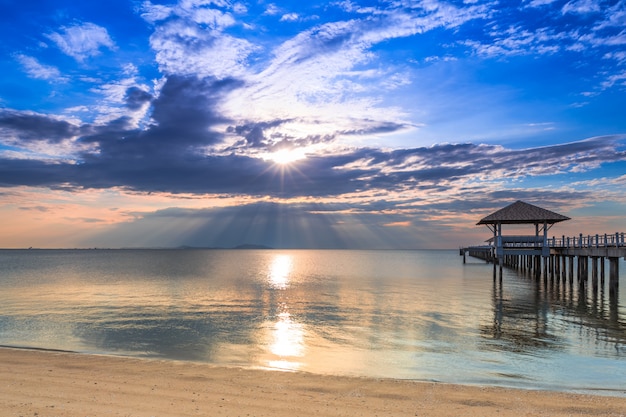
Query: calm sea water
{"points": [[420, 315]]}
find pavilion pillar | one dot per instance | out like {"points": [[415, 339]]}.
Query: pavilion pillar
{"points": [[499, 248]]}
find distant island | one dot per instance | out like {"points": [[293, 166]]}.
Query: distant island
{"points": [[251, 246]]}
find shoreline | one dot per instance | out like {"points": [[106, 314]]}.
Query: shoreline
{"points": [[602, 392], [68, 384]]}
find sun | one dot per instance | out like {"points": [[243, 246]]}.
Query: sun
{"points": [[286, 156]]}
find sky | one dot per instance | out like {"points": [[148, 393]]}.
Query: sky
{"points": [[391, 124]]}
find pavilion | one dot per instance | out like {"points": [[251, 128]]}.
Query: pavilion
{"points": [[519, 213]]}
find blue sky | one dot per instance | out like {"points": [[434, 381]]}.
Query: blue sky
{"points": [[347, 124]]}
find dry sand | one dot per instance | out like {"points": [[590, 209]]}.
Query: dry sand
{"points": [[44, 383]]}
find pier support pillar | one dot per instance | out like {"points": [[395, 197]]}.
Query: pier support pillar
{"points": [[583, 270], [571, 270], [594, 273], [613, 274], [602, 271]]}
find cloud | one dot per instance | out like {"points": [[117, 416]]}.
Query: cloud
{"points": [[82, 41], [24, 127], [35, 69], [312, 72], [272, 10], [290, 17], [189, 50], [182, 152], [619, 79], [136, 98], [190, 39], [581, 7], [614, 17], [539, 3], [41, 209]]}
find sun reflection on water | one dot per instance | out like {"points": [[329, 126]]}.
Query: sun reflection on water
{"points": [[285, 336], [279, 271], [287, 343]]}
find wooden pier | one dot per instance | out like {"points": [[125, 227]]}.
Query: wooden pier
{"points": [[555, 257]]}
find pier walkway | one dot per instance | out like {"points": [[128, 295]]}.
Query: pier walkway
{"points": [[554, 256]]}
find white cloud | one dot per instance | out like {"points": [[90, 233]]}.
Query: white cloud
{"points": [[196, 11], [240, 8], [615, 79], [272, 10], [193, 42], [539, 3], [155, 12], [581, 7], [614, 17], [520, 41], [213, 18], [82, 41], [290, 17], [324, 71], [618, 56], [113, 102], [186, 49], [35, 69]]}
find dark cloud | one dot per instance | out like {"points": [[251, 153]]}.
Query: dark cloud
{"points": [[254, 133], [34, 127], [16, 172], [373, 127], [184, 114], [140, 161], [36, 208], [136, 98], [174, 155]]}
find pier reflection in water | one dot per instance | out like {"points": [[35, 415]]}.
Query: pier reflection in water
{"points": [[528, 320]]}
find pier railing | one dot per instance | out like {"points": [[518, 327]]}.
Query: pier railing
{"points": [[611, 245], [549, 254], [616, 240]]}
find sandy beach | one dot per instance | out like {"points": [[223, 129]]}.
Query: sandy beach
{"points": [[45, 383]]}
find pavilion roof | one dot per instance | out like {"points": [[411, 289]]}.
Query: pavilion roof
{"points": [[523, 213]]}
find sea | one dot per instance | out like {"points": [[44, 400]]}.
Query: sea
{"points": [[418, 314]]}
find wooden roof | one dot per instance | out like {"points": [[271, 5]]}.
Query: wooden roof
{"points": [[523, 213]]}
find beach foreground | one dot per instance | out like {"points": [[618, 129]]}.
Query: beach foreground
{"points": [[44, 383]]}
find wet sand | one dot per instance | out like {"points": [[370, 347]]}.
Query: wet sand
{"points": [[45, 383]]}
